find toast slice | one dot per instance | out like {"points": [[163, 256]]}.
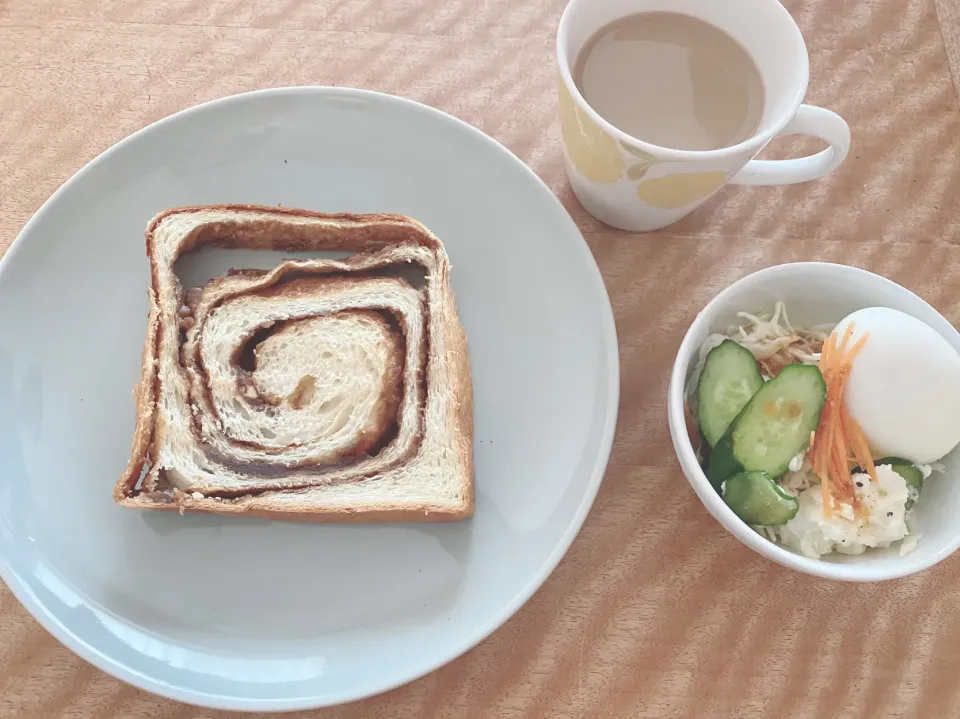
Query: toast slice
{"points": [[321, 390]]}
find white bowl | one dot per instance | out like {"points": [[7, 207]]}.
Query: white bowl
{"points": [[817, 293]]}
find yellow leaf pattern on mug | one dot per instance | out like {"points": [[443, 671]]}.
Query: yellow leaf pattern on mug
{"points": [[636, 172], [592, 151], [638, 153], [673, 191]]}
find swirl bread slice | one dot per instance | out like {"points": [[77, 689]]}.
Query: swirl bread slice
{"points": [[323, 390]]}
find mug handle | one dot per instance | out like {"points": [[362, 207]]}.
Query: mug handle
{"points": [[809, 120]]}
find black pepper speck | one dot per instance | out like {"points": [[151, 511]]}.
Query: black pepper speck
{"points": [[859, 484], [889, 514]]}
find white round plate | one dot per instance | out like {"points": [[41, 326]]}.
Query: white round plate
{"points": [[259, 615]]}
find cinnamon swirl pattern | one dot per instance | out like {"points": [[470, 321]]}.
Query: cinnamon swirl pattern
{"points": [[320, 389]]}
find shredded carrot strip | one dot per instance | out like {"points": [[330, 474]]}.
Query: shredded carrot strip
{"points": [[859, 443], [847, 336], [838, 435], [827, 501], [826, 354]]}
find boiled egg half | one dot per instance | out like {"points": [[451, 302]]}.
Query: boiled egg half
{"points": [[904, 386]]}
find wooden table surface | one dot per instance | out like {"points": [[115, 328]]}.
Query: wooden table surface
{"points": [[656, 611]]}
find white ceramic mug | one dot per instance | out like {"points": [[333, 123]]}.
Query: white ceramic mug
{"points": [[633, 185]]}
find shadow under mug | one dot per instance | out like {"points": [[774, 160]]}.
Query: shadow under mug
{"points": [[633, 185]]}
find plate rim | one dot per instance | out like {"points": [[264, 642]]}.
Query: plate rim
{"points": [[467, 641]]}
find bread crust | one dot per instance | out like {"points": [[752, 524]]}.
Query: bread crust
{"points": [[251, 226]]}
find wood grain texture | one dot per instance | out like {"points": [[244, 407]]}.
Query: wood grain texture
{"points": [[948, 12], [655, 611]]}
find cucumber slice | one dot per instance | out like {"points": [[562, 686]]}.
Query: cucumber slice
{"points": [[705, 451], [730, 377], [910, 473], [913, 477], [757, 499], [773, 428]]}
